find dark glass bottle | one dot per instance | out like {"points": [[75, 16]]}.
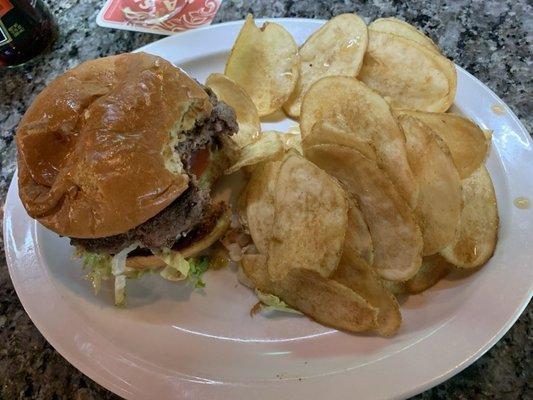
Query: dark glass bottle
{"points": [[27, 29]]}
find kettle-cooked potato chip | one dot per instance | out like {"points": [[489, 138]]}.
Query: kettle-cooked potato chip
{"points": [[358, 239], [260, 203], [327, 301], [395, 235], [439, 200], [401, 28], [324, 300], [359, 111], [268, 147], [337, 48], [292, 140], [246, 111], [407, 74], [310, 218], [468, 144], [255, 269], [395, 287], [355, 273], [326, 132], [264, 62], [478, 226], [433, 269]]}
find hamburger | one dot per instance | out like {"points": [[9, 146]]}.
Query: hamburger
{"points": [[119, 154]]}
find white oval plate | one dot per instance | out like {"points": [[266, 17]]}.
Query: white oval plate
{"points": [[171, 342]]}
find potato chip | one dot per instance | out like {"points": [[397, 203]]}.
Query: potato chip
{"points": [[337, 48], [395, 235], [358, 238], [326, 301], [255, 269], [326, 132], [439, 200], [356, 109], [433, 269], [396, 288], [311, 214], [295, 130], [468, 144], [240, 208], [268, 147], [354, 273], [260, 203], [401, 28], [264, 62], [407, 74], [478, 226], [292, 141], [246, 111]]}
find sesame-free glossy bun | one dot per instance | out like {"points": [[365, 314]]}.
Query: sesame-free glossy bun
{"points": [[95, 148]]}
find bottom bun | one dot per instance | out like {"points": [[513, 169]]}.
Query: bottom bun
{"points": [[154, 262]]}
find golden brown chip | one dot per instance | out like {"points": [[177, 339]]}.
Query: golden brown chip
{"points": [[324, 300], [433, 269], [325, 132], [395, 235], [439, 200], [337, 48], [478, 226], [255, 269], [396, 288], [327, 301], [264, 62], [246, 111], [358, 238], [401, 28], [468, 144], [268, 147], [240, 208], [310, 219], [407, 74], [292, 140], [260, 203], [355, 273], [359, 111]]}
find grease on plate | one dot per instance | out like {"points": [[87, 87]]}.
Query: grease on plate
{"points": [[521, 203], [497, 109]]}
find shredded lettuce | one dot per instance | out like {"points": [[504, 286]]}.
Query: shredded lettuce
{"points": [[270, 302], [99, 266], [103, 267], [198, 268], [178, 268], [118, 269]]}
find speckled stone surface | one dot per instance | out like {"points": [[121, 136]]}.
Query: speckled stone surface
{"points": [[491, 39]]}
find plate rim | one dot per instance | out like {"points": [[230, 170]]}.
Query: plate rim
{"points": [[99, 378]]}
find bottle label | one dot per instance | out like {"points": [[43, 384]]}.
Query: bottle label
{"points": [[5, 37], [5, 6]]}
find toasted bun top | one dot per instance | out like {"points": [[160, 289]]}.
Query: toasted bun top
{"points": [[96, 148]]}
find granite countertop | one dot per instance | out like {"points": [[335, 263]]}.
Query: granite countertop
{"points": [[488, 38]]}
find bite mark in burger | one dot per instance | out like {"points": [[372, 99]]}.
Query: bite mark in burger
{"points": [[119, 154]]}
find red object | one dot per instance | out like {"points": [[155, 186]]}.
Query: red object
{"points": [[200, 161], [162, 16], [5, 6]]}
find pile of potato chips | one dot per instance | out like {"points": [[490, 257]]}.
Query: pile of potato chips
{"points": [[378, 191]]}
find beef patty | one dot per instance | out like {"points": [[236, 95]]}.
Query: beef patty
{"points": [[187, 211]]}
